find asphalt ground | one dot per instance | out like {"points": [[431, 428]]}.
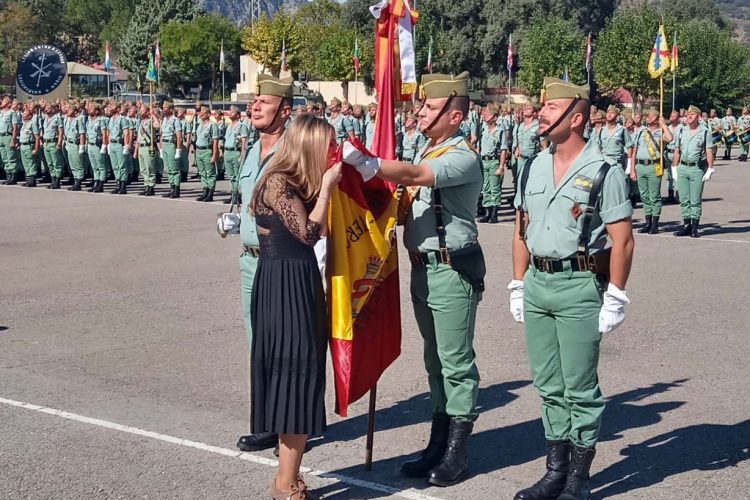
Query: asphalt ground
{"points": [[124, 363]]}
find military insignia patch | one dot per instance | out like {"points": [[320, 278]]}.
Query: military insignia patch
{"points": [[576, 211], [583, 183]]}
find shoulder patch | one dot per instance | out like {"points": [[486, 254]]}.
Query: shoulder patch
{"points": [[583, 183]]}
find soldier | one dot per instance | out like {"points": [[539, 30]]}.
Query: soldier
{"points": [[145, 151], [171, 148], [116, 131], [358, 114], [526, 137], [206, 153], [221, 126], [270, 111], [348, 112], [252, 133], [75, 145], [694, 165], [96, 127], [343, 125], [613, 139], [156, 116], [714, 127], [743, 127], [9, 129], [29, 140], [568, 284], [52, 135], [648, 167], [372, 112], [235, 146], [447, 275], [413, 140], [493, 148], [186, 130], [728, 125], [675, 126], [128, 150], [193, 135]]}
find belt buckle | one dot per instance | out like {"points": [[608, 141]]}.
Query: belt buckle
{"points": [[584, 262], [445, 256], [546, 266]]}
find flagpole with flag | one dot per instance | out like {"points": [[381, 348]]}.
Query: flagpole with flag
{"points": [[152, 77], [509, 63], [222, 66], [357, 67], [675, 64], [658, 63], [589, 54], [157, 61], [107, 67], [429, 57]]}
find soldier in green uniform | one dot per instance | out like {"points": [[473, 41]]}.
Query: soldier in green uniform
{"points": [[131, 136], [694, 162], [221, 126], [52, 135], [413, 140], [186, 129], [343, 125], [613, 139], [447, 268], [75, 146], [29, 140], [526, 137], [271, 109], [96, 127], [714, 126], [206, 153], [493, 148], [9, 128], [116, 131], [743, 127], [171, 148], [372, 112], [675, 126], [568, 284], [728, 125], [145, 151], [235, 144], [646, 161]]}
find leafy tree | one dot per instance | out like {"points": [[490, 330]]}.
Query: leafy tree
{"points": [[550, 47], [265, 39], [19, 30], [191, 49], [683, 10], [334, 56], [314, 20], [91, 24]]}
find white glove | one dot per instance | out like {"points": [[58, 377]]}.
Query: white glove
{"points": [[612, 313], [629, 167], [367, 166], [674, 172], [81, 149], [178, 154], [228, 223], [161, 154], [104, 149], [126, 150], [708, 174], [516, 299]]}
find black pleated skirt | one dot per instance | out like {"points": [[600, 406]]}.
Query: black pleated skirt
{"points": [[288, 354]]}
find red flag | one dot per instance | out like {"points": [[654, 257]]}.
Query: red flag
{"points": [[509, 62], [589, 52]]}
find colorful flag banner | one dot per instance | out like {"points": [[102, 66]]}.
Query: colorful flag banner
{"points": [[157, 57], [659, 61], [399, 24], [429, 57], [222, 59], [152, 74], [356, 56], [284, 64], [107, 58], [675, 54], [510, 61], [589, 53]]}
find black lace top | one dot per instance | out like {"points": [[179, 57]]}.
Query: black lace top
{"points": [[284, 230]]}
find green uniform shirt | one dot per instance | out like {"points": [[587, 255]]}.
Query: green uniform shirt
{"points": [[412, 144], [728, 123], [169, 127], [693, 145], [714, 123], [527, 138], [554, 222], [342, 125], [676, 131], [369, 133], [186, 128], [252, 134], [743, 122], [73, 130], [249, 174], [145, 132], [51, 127], [639, 141], [117, 126], [94, 128], [8, 118], [205, 133], [234, 134], [613, 143], [458, 175], [29, 130], [493, 142]]}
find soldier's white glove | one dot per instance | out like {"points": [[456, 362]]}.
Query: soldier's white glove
{"points": [[178, 154], [629, 166], [104, 149], [228, 223], [366, 165], [674, 172], [161, 154], [708, 174], [612, 313], [81, 149], [126, 150], [516, 299]]}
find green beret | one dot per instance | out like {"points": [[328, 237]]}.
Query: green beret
{"points": [[554, 88], [613, 109], [438, 86], [268, 85], [694, 109]]}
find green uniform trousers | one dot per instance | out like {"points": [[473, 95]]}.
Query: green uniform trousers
{"points": [[98, 167], [206, 169], [248, 266], [74, 161], [119, 167], [147, 163], [232, 165], [671, 181], [492, 183], [129, 161], [173, 169], [690, 188], [650, 187], [29, 160], [86, 163], [8, 156], [159, 165], [445, 306], [184, 160], [561, 319], [54, 159]]}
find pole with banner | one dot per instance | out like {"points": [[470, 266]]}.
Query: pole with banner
{"points": [[675, 63], [589, 58], [509, 63], [222, 67], [658, 63], [357, 67]]}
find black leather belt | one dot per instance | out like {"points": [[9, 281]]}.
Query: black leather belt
{"points": [[94, 144], [169, 141], [645, 162], [73, 142], [202, 148], [489, 158], [423, 258], [597, 263], [232, 149], [253, 251], [50, 141], [4, 135], [116, 142], [26, 143], [691, 163]]}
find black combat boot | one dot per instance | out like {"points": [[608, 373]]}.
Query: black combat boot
{"points": [[670, 197], [158, 178], [31, 182], [100, 188], [258, 442], [220, 176], [646, 227], [493, 215], [203, 196], [12, 180], [116, 190], [169, 194], [687, 228], [654, 225], [123, 188], [92, 186], [209, 195], [176, 192], [454, 465], [183, 176], [694, 223], [76, 185], [56, 183], [52, 183], [577, 485], [487, 214], [149, 191], [553, 481], [434, 452]]}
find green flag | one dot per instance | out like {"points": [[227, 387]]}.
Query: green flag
{"points": [[152, 75]]}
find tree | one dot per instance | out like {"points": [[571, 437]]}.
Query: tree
{"points": [[313, 21], [191, 49], [334, 56], [19, 30], [90, 25], [550, 47], [265, 39], [683, 10]]}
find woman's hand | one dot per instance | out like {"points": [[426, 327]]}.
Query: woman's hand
{"points": [[331, 177]]}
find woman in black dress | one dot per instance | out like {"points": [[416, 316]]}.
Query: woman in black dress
{"points": [[288, 312]]}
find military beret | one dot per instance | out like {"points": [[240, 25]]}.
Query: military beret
{"points": [[613, 109], [554, 88], [268, 85], [335, 102], [653, 111], [438, 86], [694, 109], [168, 105]]}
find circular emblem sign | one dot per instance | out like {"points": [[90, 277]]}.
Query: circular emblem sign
{"points": [[41, 70]]}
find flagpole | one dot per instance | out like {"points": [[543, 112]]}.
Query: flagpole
{"points": [[661, 113], [674, 73], [370, 427]]}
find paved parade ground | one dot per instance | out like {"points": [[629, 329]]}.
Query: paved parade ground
{"points": [[124, 363]]}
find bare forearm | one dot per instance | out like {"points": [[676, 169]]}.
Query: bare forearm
{"points": [[406, 174], [521, 257], [621, 261]]}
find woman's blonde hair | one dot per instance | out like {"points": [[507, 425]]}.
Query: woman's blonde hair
{"points": [[301, 159]]}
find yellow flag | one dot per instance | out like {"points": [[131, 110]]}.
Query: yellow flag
{"points": [[659, 61]]}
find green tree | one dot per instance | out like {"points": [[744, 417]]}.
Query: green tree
{"points": [[334, 56], [265, 39], [191, 50], [19, 30], [91, 24], [313, 21], [550, 47]]}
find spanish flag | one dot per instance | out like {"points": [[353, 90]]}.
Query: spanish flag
{"points": [[659, 62]]}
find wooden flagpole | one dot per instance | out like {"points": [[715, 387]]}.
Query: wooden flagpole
{"points": [[370, 428]]}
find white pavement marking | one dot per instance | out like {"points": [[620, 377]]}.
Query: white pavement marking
{"points": [[331, 476]]}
